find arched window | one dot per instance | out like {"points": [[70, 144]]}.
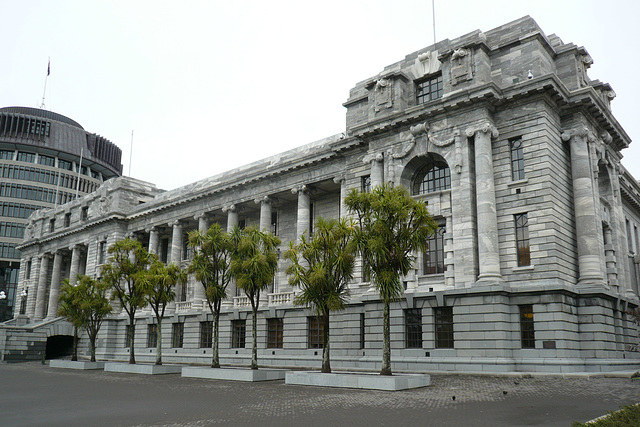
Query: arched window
{"points": [[434, 176]]}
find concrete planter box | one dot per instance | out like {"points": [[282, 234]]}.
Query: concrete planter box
{"points": [[142, 369], [233, 374], [70, 364], [359, 380]]}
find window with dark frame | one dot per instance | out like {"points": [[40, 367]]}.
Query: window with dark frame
{"points": [[239, 333], [206, 334], [152, 335], [84, 213], [52, 225], [315, 331], [275, 333], [433, 257], [443, 322], [517, 159], [362, 330], [67, 219], [432, 177], [413, 327], [428, 89], [522, 239], [177, 335], [365, 183], [527, 331], [274, 223]]}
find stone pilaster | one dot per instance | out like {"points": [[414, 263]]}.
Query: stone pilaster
{"points": [[488, 250], [304, 210], [54, 292], [376, 161], [586, 219], [75, 263], [342, 181], [449, 262], [42, 288]]}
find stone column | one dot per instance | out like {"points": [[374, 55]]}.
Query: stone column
{"points": [[75, 263], [449, 262], [265, 212], [176, 242], [377, 171], [198, 289], [232, 217], [203, 223], [587, 227], [610, 259], [487, 223], [42, 288], [56, 277], [304, 210], [341, 180], [33, 290], [153, 240]]}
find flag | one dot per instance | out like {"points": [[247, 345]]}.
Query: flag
{"points": [[49, 68]]}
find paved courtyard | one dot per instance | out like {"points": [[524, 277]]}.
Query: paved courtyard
{"points": [[36, 395]]}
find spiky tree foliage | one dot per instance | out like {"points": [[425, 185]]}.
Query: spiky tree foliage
{"points": [[322, 266], [391, 226], [157, 284], [85, 305], [254, 261], [123, 272], [210, 265]]}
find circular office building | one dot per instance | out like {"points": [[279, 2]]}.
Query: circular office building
{"points": [[46, 160]]}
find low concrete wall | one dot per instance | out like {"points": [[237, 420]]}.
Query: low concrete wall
{"points": [[357, 380], [233, 374]]}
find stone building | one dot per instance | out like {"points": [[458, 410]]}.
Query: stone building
{"points": [[46, 160], [517, 154]]}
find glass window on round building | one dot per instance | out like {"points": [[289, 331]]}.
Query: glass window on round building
{"points": [[433, 176]]}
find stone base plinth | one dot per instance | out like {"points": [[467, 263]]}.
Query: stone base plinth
{"points": [[71, 364], [233, 374], [359, 380], [142, 369]]}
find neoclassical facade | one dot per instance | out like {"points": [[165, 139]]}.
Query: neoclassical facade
{"points": [[517, 154]]}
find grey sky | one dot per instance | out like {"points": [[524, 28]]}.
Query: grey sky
{"points": [[211, 85]]}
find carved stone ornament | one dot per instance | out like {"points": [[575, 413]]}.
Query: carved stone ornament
{"points": [[611, 95], [459, 53], [606, 137], [263, 199], [378, 157], [419, 129], [228, 208], [485, 127], [587, 60], [300, 189], [426, 63], [383, 93], [582, 132]]}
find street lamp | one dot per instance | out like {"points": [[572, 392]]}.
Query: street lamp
{"points": [[3, 298]]}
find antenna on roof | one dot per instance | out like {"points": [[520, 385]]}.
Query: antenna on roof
{"points": [[45, 84], [433, 13]]}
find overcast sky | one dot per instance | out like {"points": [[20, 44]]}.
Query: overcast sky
{"points": [[207, 86]]}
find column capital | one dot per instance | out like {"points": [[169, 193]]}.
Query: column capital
{"points": [[419, 129], [581, 131], [229, 208], [199, 215], [373, 157], [302, 188], [175, 223], [484, 128], [152, 229], [339, 179], [264, 199], [78, 246]]}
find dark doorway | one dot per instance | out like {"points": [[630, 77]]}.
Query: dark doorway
{"points": [[59, 346]]}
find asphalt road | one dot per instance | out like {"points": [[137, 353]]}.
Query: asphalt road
{"points": [[35, 395]]}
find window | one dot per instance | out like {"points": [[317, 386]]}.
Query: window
{"points": [[311, 215], [26, 157], [46, 160], [102, 252], [152, 335], [242, 224], [52, 225], [177, 335], [428, 89], [522, 239], [413, 328], [274, 223], [365, 183], [362, 330], [274, 333], [84, 213], [433, 257], [239, 333], [27, 270], [67, 219], [443, 321], [315, 331], [63, 164], [127, 335], [206, 334], [527, 333], [6, 154], [517, 159], [434, 176]]}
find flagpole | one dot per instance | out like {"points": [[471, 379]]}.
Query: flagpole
{"points": [[78, 175], [433, 13], [45, 83]]}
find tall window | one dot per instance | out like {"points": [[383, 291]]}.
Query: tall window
{"points": [[527, 332], [429, 89], [239, 333], [26, 157], [67, 219], [522, 239], [84, 213], [413, 328], [274, 223], [517, 159], [443, 321], [434, 176], [206, 334], [6, 154], [274, 333], [177, 335], [433, 257], [365, 183], [102, 252], [52, 225], [315, 331], [152, 335], [46, 160]]}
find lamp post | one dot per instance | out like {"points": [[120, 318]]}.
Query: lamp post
{"points": [[23, 301], [3, 305]]}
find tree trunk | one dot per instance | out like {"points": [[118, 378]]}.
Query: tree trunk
{"points": [[92, 344], [74, 356], [159, 343], [215, 360], [254, 343], [326, 360], [386, 341], [132, 334]]}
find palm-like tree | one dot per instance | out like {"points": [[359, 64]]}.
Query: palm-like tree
{"points": [[253, 265], [210, 265], [123, 272], [157, 284], [391, 226], [322, 267]]}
